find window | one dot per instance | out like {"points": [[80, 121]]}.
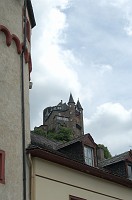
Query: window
{"points": [[78, 126], [129, 168], [75, 198], [89, 156], [62, 118], [2, 166], [59, 108]]}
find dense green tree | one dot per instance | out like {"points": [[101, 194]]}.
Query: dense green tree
{"points": [[64, 134], [107, 153], [39, 131]]}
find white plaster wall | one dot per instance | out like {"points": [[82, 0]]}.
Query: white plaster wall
{"points": [[58, 182], [11, 15], [10, 102]]}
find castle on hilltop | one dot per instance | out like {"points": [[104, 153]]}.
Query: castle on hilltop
{"points": [[68, 115]]}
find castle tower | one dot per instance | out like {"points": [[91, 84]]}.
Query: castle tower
{"points": [[80, 110], [72, 124], [75, 117], [15, 68]]}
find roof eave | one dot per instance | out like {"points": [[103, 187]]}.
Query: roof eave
{"points": [[44, 154], [31, 13]]}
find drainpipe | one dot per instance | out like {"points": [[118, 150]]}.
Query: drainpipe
{"points": [[31, 177], [23, 101]]}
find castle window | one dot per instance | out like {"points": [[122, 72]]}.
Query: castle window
{"points": [[59, 108], [89, 156], [78, 126], [63, 118], [129, 168], [2, 166]]}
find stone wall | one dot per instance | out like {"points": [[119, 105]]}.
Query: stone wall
{"points": [[74, 121]]}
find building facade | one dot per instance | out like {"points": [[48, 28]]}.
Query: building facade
{"points": [[68, 183], [68, 115], [15, 63], [56, 168]]}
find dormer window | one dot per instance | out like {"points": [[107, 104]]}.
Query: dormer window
{"points": [[89, 155], [129, 168]]}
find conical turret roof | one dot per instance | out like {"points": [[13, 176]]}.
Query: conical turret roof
{"points": [[79, 105], [71, 100]]}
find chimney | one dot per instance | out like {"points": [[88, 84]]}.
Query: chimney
{"points": [[100, 154]]}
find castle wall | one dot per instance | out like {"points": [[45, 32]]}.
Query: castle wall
{"points": [[10, 101], [52, 121], [74, 122]]}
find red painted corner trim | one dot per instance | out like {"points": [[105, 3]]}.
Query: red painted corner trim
{"points": [[7, 34], [18, 44], [26, 55], [30, 63], [2, 166]]}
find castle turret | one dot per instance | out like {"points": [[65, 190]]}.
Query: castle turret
{"points": [[16, 21], [80, 110], [71, 100], [79, 105], [72, 114]]}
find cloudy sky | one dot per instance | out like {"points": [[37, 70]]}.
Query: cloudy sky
{"points": [[85, 47]]}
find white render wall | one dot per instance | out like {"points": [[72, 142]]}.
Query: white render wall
{"points": [[10, 102], [53, 181]]}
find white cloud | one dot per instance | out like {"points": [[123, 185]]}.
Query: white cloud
{"points": [[102, 68], [119, 3], [125, 7], [128, 26], [111, 125]]}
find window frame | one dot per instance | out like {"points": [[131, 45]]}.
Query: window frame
{"points": [[2, 166], [129, 174], [87, 159]]}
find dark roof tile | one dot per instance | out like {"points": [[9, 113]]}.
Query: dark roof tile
{"points": [[115, 159], [43, 142]]}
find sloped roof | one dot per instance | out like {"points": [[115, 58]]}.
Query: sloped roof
{"points": [[44, 148], [59, 158], [71, 100], [78, 139], [31, 13], [79, 105], [41, 141], [121, 157]]}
